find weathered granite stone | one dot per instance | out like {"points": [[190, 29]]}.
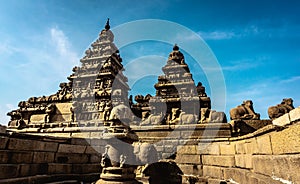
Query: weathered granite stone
{"points": [[213, 160], [264, 145], [282, 120], [3, 142], [209, 148], [286, 141], [4, 156], [66, 148], [58, 168], [8, 171], [295, 114], [243, 161], [188, 159], [212, 171], [227, 148], [43, 157]]}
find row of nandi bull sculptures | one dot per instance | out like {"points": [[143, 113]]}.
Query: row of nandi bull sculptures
{"points": [[245, 111]]}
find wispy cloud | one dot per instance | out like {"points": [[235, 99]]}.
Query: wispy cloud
{"points": [[40, 63], [254, 29], [263, 93], [217, 35], [290, 80], [7, 49]]}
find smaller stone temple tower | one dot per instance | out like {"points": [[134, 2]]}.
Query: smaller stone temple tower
{"points": [[176, 93]]}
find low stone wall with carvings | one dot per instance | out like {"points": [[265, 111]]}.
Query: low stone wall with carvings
{"points": [[37, 159], [270, 155]]}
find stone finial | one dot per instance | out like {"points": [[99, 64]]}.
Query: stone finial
{"points": [[107, 26], [175, 48]]}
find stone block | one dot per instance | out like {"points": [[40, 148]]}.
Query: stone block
{"points": [[251, 146], [37, 118], [50, 146], [264, 145], [4, 156], [8, 171], [21, 157], [295, 114], [237, 175], [80, 141], [71, 158], [240, 147], [56, 168], [3, 142], [81, 135], [224, 161], [279, 166], [61, 118], [66, 148], [169, 149], [210, 148], [243, 161], [43, 157], [96, 134], [63, 108], [227, 148], [20, 144], [286, 141], [24, 170], [191, 169], [31, 145], [41, 168], [86, 168], [160, 148], [215, 181], [98, 142], [212, 171], [95, 149], [187, 149], [188, 159], [95, 158], [3, 129], [282, 120]]}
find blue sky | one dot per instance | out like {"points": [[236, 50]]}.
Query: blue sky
{"points": [[256, 44]]}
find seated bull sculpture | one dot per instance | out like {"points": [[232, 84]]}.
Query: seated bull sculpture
{"points": [[280, 109], [152, 119], [244, 111]]}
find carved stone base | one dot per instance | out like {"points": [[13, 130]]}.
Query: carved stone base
{"points": [[242, 127], [117, 175]]}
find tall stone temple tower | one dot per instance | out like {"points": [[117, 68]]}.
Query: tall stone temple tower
{"points": [[88, 96], [99, 80]]}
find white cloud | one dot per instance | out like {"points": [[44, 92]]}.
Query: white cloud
{"points": [[217, 35], [39, 64], [263, 93], [6, 48], [290, 80]]}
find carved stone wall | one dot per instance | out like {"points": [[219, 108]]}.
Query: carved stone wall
{"points": [[268, 155]]}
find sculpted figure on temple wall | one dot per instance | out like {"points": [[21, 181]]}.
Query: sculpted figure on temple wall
{"points": [[280, 109], [244, 111]]}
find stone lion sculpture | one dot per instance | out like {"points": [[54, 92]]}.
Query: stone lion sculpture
{"points": [[280, 109], [244, 111]]}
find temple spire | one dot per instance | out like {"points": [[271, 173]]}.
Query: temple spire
{"points": [[107, 26], [175, 47]]}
